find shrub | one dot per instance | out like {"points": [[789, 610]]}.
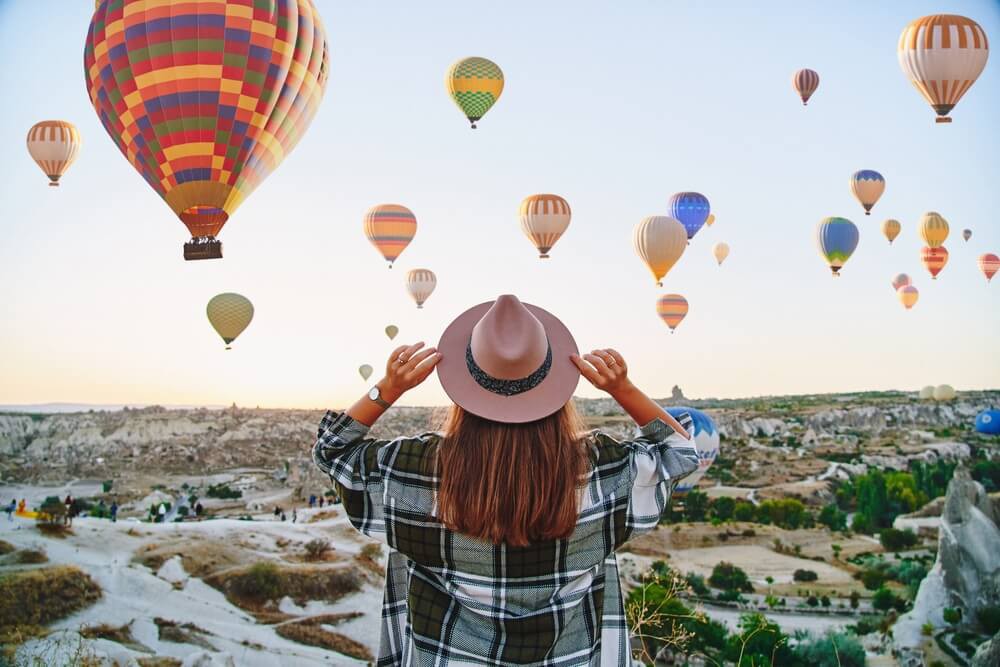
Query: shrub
{"points": [[183, 510], [744, 511], [313, 635], [833, 517], [223, 491], [855, 599], [260, 582], [317, 548], [30, 557], [697, 584], [884, 600], [835, 649], [805, 575], [729, 577], [927, 629], [812, 601], [371, 552], [952, 615], [897, 540], [825, 601], [873, 578], [39, 597], [749, 532], [989, 619]]}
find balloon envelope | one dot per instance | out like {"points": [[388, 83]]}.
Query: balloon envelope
{"points": [[706, 441], [229, 314], [54, 145], [659, 241], [544, 218], [691, 209], [908, 295], [365, 371], [944, 392], [720, 250], [805, 82], [900, 280], [390, 228], [934, 260], [891, 229], [475, 85], [926, 393], [966, 234], [672, 308], [710, 220], [989, 264], [933, 229], [420, 283], [837, 239], [988, 422], [867, 186], [391, 331]]}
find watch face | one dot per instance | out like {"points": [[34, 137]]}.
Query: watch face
{"points": [[373, 393]]}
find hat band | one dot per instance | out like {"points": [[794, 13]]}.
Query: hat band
{"points": [[507, 387]]}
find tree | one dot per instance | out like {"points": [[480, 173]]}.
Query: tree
{"points": [[695, 505], [833, 517], [836, 548], [884, 600], [855, 599], [722, 508], [952, 615], [812, 601], [835, 649], [805, 575], [759, 643], [897, 540], [728, 577], [744, 511], [825, 600]]}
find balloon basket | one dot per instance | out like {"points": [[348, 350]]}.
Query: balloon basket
{"points": [[942, 119], [420, 306], [544, 256], [53, 184], [203, 249]]}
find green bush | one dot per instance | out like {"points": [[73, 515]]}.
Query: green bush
{"points": [[833, 517], [730, 578], [897, 540], [873, 578], [223, 491], [39, 597], [805, 575], [835, 649], [952, 615], [884, 600], [744, 511], [261, 581], [989, 619], [697, 584], [812, 601]]}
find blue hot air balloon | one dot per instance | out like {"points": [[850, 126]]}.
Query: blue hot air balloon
{"points": [[706, 441], [837, 238], [988, 422], [691, 209]]}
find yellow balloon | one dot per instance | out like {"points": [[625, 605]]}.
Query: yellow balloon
{"points": [[229, 315], [891, 229], [659, 241], [721, 251], [933, 229], [908, 295], [710, 220]]}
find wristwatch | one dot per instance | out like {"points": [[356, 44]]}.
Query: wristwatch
{"points": [[376, 395]]}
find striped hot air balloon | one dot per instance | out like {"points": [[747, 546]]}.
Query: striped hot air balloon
{"points": [[837, 239], [420, 283], [475, 85], [205, 99], [805, 82], [720, 250], [934, 260], [891, 229], [544, 218], [933, 229], [229, 314], [966, 234], [867, 186], [659, 241], [901, 280], [54, 145], [706, 441], [672, 308], [943, 55], [691, 209], [908, 295], [390, 228], [989, 264]]}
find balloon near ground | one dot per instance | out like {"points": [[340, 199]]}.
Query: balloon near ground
{"points": [[365, 371], [944, 392], [691, 209], [229, 314], [544, 218], [989, 264], [659, 241], [933, 229], [203, 101], [390, 228], [901, 280], [54, 145], [672, 309], [475, 84], [926, 393], [706, 441], [837, 238], [720, 251], [934, 260], [391, 331], [891, 229], [943, 55], [908, 295], [805, 82], [867, 186], [988, 422], [420, 283]]}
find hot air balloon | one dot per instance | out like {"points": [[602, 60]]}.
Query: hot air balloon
{"points": [[391, 331], [944, 392], [900, 280], [53, 145], [205, 99], [988, 422], [837, 238], [966, 234], [420, 283], [544, 218], [805, 82], [933, 229], [934, 260], [390, 228], [672, 308], [229, 315], [926, 393], [989, 264], [691, 209], [721, 251], [706, 442], [867, 186], [365, 371], [710, 220], [943, 55], [659, 241], [475, 84], [891, 229], [908, 295]]}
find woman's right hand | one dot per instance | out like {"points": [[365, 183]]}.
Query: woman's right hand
{"points": [[605, 369], [407, 367]]}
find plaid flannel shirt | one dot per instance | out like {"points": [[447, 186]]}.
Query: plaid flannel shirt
{"points": [[454, 601]]}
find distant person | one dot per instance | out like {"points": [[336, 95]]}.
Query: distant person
{"points": [[114, 511], [68, 517], [282, 516], [162, 512], [322, 500], [10, 508], [101, 508], [295, 515], [277, 511], [199, 509], [312, 500], [22, 506], [513, 468]]}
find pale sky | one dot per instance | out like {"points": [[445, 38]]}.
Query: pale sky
{"points": [[614, 106]]}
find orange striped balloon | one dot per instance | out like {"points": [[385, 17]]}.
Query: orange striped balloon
{"points": [[53, 145], [934, 259], [390, 228], [989, 264], [672, 308], [805, 82], [544, 218], [420, 283]]}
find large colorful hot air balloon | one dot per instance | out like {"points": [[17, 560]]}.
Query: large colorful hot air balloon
{"points": [[691, 209], [205, 99], [365, 371], [544, 218], [229, 314], [805, 82], [900, 280], [420, 283], [891, 229], [837, 239], [391, 331], [706, 442], [720, 250], [672, 308], [966, 234], [988, 422], [933, 229], [943, 55], [989, 264], [659, 241], [934, 260], [944, 392], [475, 84], [54, 145], [390, 228], [867, 186], [908, 295]]}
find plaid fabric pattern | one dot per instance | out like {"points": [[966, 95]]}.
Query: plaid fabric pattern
{"points": [[454, 601]]}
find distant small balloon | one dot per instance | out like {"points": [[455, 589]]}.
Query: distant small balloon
{"points": [[837, 239], [966, 234], [672, 309], [944, 392], [805, 82], [989, 264], [54, 145], [901, 280], [544, 218], [926, 393], [867, 186], [391, 331], [390, 228], [710, 220], [908, 295], [229, 314], [934, 260], [721, 251], [891, 229], [420, 283], [691, 209], [366, 371]]}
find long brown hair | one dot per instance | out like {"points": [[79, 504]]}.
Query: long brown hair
{"points": [[514, 484]]}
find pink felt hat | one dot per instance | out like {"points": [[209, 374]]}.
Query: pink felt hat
{"points": [[508, 361]]}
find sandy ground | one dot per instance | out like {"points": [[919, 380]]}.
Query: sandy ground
{"points": [[757, 561]]}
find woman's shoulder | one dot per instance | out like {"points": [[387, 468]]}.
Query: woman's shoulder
{"points": [[413, 454]]}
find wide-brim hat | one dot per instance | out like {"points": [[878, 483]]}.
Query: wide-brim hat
{"points": [[508, 361]]}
